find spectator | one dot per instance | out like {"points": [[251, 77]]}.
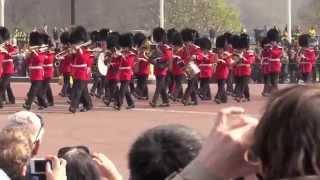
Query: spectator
{"points": [[15, 151], [32, 122], [80, 165], [284, 145], [163, 150]]}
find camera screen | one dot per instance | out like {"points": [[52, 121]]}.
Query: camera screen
{"points": [[40, 165]]}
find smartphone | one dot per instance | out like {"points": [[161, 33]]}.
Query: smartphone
{"points": [[38, 166]]}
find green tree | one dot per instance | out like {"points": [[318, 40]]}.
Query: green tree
{"points": [[202, 15]]}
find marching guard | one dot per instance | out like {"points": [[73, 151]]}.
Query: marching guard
{"points": [[35, 65], [7, 52], [162, 55], [81, 66], [306, 58], [125, 71]]}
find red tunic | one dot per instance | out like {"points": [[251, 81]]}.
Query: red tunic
{"points": [[35, 63], [143, 65], [275, 59], [265, 63], [82, 65], [65, 66], [243, 68], [126, 66], [308, 57], [113, 68], [178, 63], [167, 55], [7, 63], [223, 67], [190, 50], [206, 65], [48, 65]]}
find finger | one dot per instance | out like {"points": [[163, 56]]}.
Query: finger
{"points": [[48, 168], [55, 162], [229, 118], [63, 163]]}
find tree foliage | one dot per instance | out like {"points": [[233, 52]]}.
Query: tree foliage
{"points": [[202, 15]]}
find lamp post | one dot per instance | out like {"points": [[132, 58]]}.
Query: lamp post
{"points": [[290, 21], [73, 12], [161, 13], [3, 5]]}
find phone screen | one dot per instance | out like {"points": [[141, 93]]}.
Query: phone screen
{"points": [[40, 165]]}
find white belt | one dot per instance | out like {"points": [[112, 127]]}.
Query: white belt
{"points": [[305, 62], [7, 60], [247, 65], [48, 65], [275, 60], [124, 68], [35, 67], [205, 65], [265, 63], [79, 65]]}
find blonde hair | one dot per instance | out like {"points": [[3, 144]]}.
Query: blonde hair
{"points": [[15, 150]]}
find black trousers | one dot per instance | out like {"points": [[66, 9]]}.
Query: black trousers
{"points": [[274, 80], [243, 91], [170, 83], [6, 87], [80, 93], [205, 89], [306, 77], [142, 86], [124, 92], [98, 84], [221, 93], [46, 92], [191, 91], [66, 88], [111, 90], [314, 73], [237, 82], [36, 90], [293, 72], [161, 89], [266, 84], [178, 91], [230, 81]]}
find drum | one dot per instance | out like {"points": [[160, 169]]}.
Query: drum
{"points": [[192, 69], [102, 67]]}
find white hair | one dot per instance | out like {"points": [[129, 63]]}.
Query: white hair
{"points": [[27, 119]]}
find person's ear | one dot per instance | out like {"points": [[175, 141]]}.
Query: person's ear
{"points": [[35, 149]]}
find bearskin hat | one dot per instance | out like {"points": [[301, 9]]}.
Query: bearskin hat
{"points": [[220, 42], [94, 36], [159, 34], [35, 39], [227, 36], [273, 35], [304, 40], [78, 35], [113, 41], [177, 39], [205, 43], [126, 40], [244, 41], [65, 37], [46, 38], [187, 35], [171, 32], [236, 42], [4, 33], [138, 39], [264, 42], [103, 34]]}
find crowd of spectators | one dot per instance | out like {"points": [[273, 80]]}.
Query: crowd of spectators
{"points": [[282, 144]]}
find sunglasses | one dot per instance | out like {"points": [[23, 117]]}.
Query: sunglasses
{"points": [[65, 150], [41, 127]]}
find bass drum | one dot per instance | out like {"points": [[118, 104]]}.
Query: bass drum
{"points": [[192, 69], [102, 67]]}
